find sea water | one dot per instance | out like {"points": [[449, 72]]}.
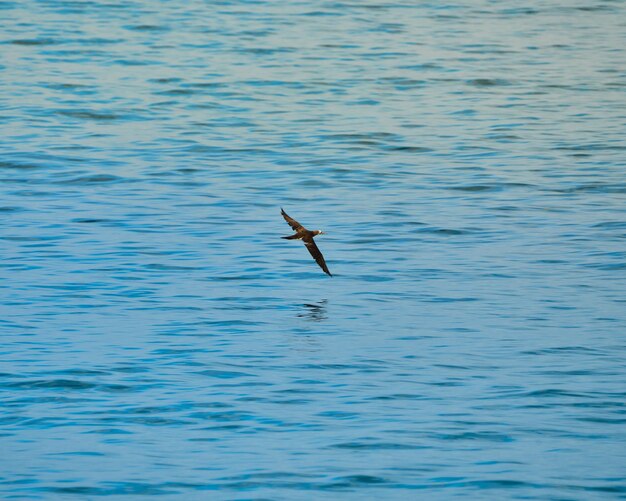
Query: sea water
{"points": [[466, 161]]}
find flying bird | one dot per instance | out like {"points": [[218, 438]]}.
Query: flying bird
{"points": [[301, 233]]}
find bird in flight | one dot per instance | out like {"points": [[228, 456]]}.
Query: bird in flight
{"points": [[301, 233]]}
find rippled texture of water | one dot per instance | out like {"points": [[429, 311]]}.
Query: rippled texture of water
{"points": [[467, 162]]}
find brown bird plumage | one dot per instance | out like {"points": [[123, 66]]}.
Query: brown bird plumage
{"points": [[301, 233]]}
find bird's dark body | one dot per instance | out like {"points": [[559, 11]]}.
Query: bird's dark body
{"points": [[301, 233]]}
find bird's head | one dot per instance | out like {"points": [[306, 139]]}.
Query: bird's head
{"points": [[319, 232]]}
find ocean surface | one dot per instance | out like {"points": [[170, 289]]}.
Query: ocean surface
{"points": [[467, 161]]}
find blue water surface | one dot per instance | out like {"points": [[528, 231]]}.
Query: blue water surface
{"points": [[467, 162]]}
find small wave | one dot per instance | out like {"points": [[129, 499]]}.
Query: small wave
{"points": [[41, 238], [170, 267], [611, 225], [86, 220], [81, 372], [488, 82], [592, 188], [489, 187], [33, 41], [19, 165], [374, 446], [69, 384], [63, 384], [607, 266], [448, 232], [176, 92], [358, 480], [550, 393], [562, 350], [231, 323], [602, 420], [409, 149], [225, 374], [481, 436], [94, 179], [148, 27], [117, 489], [267, 51], [89, 115]]}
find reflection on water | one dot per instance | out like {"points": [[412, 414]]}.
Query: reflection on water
{"points": [[315, 312]]}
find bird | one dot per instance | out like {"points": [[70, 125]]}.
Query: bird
{"points": [[301, 233]]}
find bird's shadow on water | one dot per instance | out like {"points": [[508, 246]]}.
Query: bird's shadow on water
{"points": [[314, 311]]}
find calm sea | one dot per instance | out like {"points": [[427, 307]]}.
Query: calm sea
{"points": [[467, 161]]}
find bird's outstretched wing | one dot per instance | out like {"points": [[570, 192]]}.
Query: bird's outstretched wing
{"points": [[317, 255], [295, 225]]}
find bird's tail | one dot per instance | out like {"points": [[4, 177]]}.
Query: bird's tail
{"points": [[291, 237]]}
